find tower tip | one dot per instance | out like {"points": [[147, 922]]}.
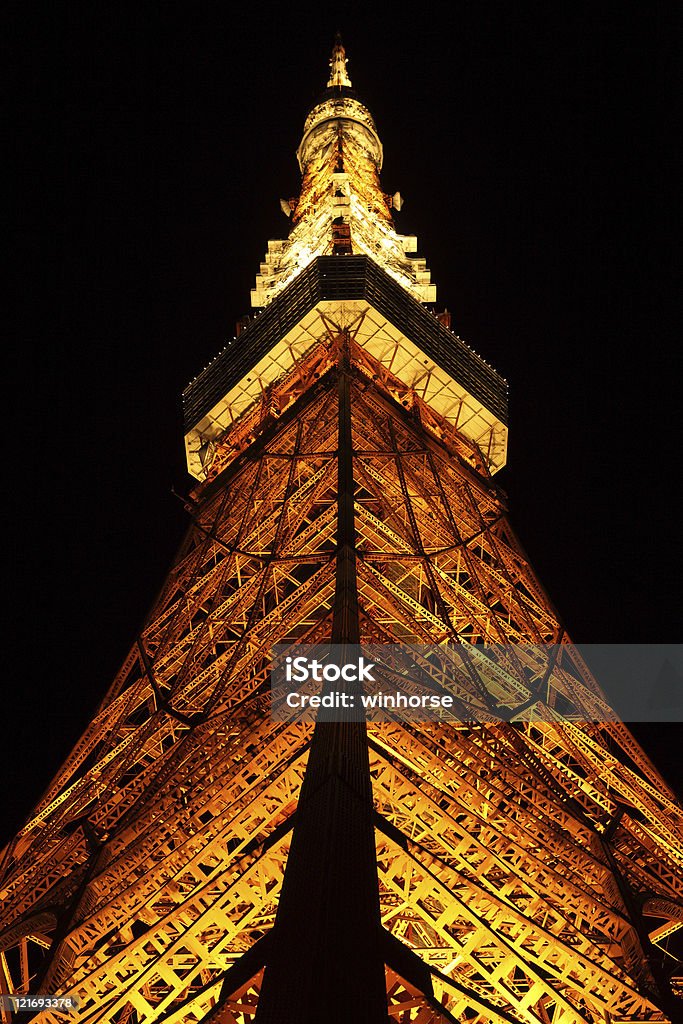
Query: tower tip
{"points": [[338, 74]]}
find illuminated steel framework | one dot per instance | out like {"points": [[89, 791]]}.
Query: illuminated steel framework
{"points": [[195, 860]]}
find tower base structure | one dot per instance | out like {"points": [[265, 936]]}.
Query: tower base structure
{"points": [[490, 872]]}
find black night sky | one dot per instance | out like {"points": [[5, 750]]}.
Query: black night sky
{"points": [[533, 145]]}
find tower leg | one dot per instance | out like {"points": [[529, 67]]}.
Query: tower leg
{"points": [[327, 962]]}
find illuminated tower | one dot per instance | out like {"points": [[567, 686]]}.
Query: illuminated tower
{"points": [[197, 860]]}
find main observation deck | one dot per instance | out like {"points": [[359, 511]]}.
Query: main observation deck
{"points": [[393, 327]]}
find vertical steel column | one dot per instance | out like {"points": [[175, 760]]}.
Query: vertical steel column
{"points": [[326, 962]]}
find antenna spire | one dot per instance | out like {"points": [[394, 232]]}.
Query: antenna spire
{"points": [[338, 61]]}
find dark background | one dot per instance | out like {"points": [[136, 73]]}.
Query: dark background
{"points": [[534, 147]]}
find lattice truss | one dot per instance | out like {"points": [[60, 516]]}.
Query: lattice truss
{"points": [[534, 868]]}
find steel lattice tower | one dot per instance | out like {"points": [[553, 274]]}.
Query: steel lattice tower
{"points": [[195, 860]]}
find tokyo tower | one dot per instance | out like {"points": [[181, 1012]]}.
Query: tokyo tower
{"points": [[198, 860]]}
